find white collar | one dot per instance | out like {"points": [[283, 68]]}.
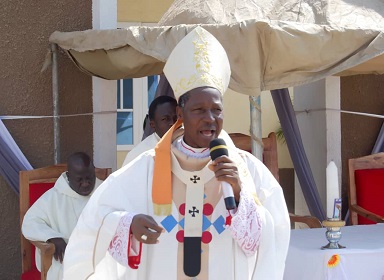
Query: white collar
{"points": [[190, 151]]}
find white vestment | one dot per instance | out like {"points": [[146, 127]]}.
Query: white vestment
{"points": [[54, 215], [145, 145], [128, 190]]}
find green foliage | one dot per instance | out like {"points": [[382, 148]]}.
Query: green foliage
{"points": [[280, 135]]}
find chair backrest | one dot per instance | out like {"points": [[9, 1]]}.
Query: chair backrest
{"points": [[310, 221], [366, 186], [270, 159], [34, 183]]}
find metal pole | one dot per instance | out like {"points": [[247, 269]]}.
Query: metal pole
{"points": [[256, 135], [55, 95]]}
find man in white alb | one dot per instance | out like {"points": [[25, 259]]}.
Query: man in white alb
{"points": [[162, 115], [163, 216], [54, 215]]}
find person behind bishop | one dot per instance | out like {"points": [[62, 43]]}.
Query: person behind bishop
{"points": [[162, 115], [163, 215]]}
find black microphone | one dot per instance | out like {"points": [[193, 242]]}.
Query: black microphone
{"points": [[218, 148]]}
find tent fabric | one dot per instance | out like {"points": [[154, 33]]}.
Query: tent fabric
{"points": [[292, 136], [12, 160], [270, 44], [379, 144], [333, 12]]}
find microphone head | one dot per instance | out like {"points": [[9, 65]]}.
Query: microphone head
{"points": [[218, 148]]}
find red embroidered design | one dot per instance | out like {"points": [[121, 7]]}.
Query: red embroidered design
{"points": [[207, 209], [180, 236], [121, 244], [206, 237], [182, 209], [228, 219]]}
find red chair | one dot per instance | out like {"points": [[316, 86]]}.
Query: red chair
{"points": [[34, 183], [366, 189]]}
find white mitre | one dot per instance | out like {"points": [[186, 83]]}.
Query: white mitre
{"points": [[198, 60]]}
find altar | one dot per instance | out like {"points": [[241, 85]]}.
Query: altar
{"points": [[363, 257]]}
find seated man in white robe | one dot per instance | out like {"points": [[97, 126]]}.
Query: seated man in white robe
{"points": [[163, 216], [162, 115], [54, 215]]}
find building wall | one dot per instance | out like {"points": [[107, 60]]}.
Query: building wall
{"points": [[320, 133], [141, 11], [24, 31], [270, 123], [362, 93], [237, 119]]}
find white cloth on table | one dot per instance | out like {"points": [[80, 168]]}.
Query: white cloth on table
{"points": [[363, 257]]}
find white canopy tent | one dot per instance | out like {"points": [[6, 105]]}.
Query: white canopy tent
{"points": [[270, 44]]}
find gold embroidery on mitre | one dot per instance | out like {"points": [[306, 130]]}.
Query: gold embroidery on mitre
{"points": [[203, 67]]}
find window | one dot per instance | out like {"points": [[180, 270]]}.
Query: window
{"points": [[133, 99]]}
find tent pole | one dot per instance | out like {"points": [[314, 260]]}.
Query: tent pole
{"points": [[256, 135], [55, 95]]}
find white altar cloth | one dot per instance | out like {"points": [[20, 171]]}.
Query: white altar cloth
{"points": [[362, 259]]}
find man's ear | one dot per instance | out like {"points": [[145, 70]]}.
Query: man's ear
{"points": [[179, 113], [152, 124]]}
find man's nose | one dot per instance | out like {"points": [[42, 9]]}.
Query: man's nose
{"points": [[209, 116], [172, 121], [85, 182]]}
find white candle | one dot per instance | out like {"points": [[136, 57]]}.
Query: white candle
{"points": [[332, 187]]}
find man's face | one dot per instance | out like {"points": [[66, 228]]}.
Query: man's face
{"points": [[165, 117], [202, 116], [81, 178]]}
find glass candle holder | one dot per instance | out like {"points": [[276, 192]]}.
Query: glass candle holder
{"points": [[333, 233]]}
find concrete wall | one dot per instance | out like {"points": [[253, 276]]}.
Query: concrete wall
{"points": [[270, 123], [319, 128], [104, 16], [236, 112], [312, 129], [320, 133], [362, 93], [141, 11], [24, 31], [237, 119]]}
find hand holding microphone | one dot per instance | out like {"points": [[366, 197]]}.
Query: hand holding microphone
{"points": [[218, 148]]}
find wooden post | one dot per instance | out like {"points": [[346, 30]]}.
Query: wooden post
{"points": [[256, 135]]}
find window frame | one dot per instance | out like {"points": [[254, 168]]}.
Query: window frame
{"points": [[139, 86]]}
